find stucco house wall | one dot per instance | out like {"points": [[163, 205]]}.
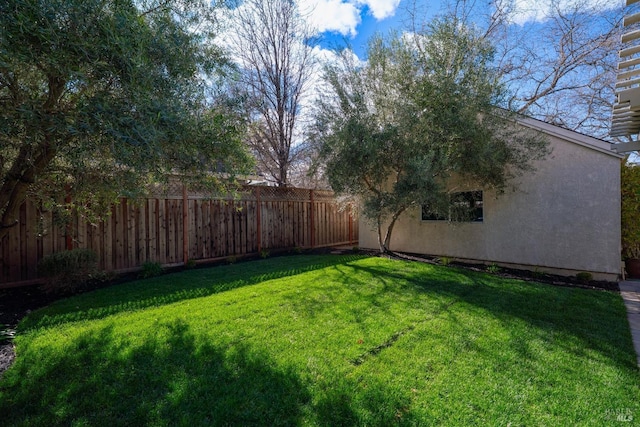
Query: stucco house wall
{"points": [[564, 218]]}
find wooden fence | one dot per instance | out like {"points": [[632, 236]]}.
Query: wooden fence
{"points": [[139, 231]]}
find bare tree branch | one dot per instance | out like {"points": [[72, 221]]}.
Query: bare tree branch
{"points": [[272, 43], [560, 67]]}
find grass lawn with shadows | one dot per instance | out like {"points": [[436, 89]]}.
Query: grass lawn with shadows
{"points": [[325, 340]]}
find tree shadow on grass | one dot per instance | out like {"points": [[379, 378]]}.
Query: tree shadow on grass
{"points": [[546, 339], [176, 378], [378, 405], [172, 288], [170, 379], [593, 317]]}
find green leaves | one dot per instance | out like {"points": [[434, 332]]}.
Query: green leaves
{"points": [[109, 94], [630, 210], [422, 110]]}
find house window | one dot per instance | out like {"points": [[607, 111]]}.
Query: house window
{"points": [[465, 206]]}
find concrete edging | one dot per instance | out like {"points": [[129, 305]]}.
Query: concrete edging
{"points": [[630, 292]]}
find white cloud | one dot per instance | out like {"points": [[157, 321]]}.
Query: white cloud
{"points": [[523, 11], [344, 16], [339, 16], [332, 15], [381, 9]]}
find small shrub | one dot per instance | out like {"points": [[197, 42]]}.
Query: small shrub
{"points": [[68, 271], [493, 268], [232, 259], [584, 277], [444, 260], [191, 263], [537, 274], [264, 253], [355, 249], [297, 250], [151, 269]]}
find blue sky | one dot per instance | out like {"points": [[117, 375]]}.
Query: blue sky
{"points": [[354, 23], [367, 27]]}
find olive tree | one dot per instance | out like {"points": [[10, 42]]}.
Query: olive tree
{"points": [[99, 97], [396, 129]]}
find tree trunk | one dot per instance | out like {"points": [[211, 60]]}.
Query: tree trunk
{"points": [[282, 178], [384, 244], [380, 241], [17, 185], [29, 163]]}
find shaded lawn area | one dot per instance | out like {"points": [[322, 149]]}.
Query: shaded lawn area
{"points": [[325, 340]]}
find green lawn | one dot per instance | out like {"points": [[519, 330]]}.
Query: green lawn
{"points": [[325, 340]]}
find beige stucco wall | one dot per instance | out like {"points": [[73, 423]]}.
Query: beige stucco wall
{"points": [[565, 216]]}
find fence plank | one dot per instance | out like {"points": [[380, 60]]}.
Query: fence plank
{"points": [[195, 229], [271, 224], [23, 241], [252, 227], [152, 230], [162, 231], [220, 230], [242, 216], [143, 232], [93, 242], [118, 236], [235, 234], [131, 234], [15, 252], [172, 230], [206, 228], [107, 228], [214, 243]]}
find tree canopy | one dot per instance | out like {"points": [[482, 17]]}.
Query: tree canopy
{"points": [[102, 96], [396, 129]]}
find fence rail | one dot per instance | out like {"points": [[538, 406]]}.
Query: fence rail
{"points": [[171, 229]]}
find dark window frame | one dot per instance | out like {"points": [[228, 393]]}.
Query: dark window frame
{"points": [[469, 204]]}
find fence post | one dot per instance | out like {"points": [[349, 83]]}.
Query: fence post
{"points": [[350, 224], [311, 220], [258, 218], [68, 228], [185, 225]]}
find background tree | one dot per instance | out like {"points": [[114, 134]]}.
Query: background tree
{"points": [[559, 58], [271, 43], [630, 210], [420, 111], [100, 97]]}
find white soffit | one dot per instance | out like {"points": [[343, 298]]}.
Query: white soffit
{"points": [[626, 111]]}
